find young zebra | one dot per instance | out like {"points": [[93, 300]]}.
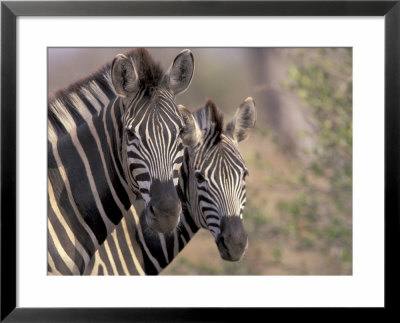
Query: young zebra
{"points": [[212, 191], [112, 137]]}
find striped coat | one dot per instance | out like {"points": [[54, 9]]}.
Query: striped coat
{"points": [[212, 191], [104, 139]]}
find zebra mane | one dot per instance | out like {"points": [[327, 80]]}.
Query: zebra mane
{"points": [[149, 72], [210, 119], [72, 106]]}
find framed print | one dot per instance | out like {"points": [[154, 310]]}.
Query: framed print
{"points": [[322, 235]]}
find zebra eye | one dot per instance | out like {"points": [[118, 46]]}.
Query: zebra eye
{"points": [[181, 131], [129, 134], [245, 174], [200, 178]]}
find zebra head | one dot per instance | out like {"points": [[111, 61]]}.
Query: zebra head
{"points": [[152, 130], [220, 173]]}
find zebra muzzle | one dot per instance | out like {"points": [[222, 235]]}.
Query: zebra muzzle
{"points": [[164, 208], [232, 241], [163, 220]]}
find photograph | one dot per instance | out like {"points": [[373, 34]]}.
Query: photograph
{"points": [[244, 152], [200, 161]]}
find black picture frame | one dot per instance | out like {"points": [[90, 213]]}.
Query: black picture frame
{"points": [[10, 10]]}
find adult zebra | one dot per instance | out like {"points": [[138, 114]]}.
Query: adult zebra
{"points": [[112, 137], [212, 191]]}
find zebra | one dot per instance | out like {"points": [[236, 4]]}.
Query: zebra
{"points": [[213, 194], [112, 138]]}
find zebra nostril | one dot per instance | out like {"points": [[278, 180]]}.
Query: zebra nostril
{"points": [[222, 242]]}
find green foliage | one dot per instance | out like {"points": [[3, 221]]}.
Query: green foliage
{"points": [[277, 254], [263, 131], [255, 216], [298, 212], [320, 213]]}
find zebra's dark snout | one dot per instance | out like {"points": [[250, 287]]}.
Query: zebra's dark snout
{"points": [[164, 208], [232, 241], [164, 217]]}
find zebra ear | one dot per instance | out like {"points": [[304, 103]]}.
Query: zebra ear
{"points": [[243, 121], [191, 134], [180, 73], [124, 76]]}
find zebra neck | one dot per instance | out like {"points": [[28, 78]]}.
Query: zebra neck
{"points": [[165, 247], [136, 248], [191, 198], [109, 129], [84, 166]]}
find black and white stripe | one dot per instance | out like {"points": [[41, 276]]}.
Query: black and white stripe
{"points": [[96, 170], [212, 191]]}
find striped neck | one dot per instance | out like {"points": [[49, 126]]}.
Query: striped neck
{"points": [[88, 193], [133, 248], [164, 248]]}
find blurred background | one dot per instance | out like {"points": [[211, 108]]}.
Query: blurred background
{"points": [[298, 213]]}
